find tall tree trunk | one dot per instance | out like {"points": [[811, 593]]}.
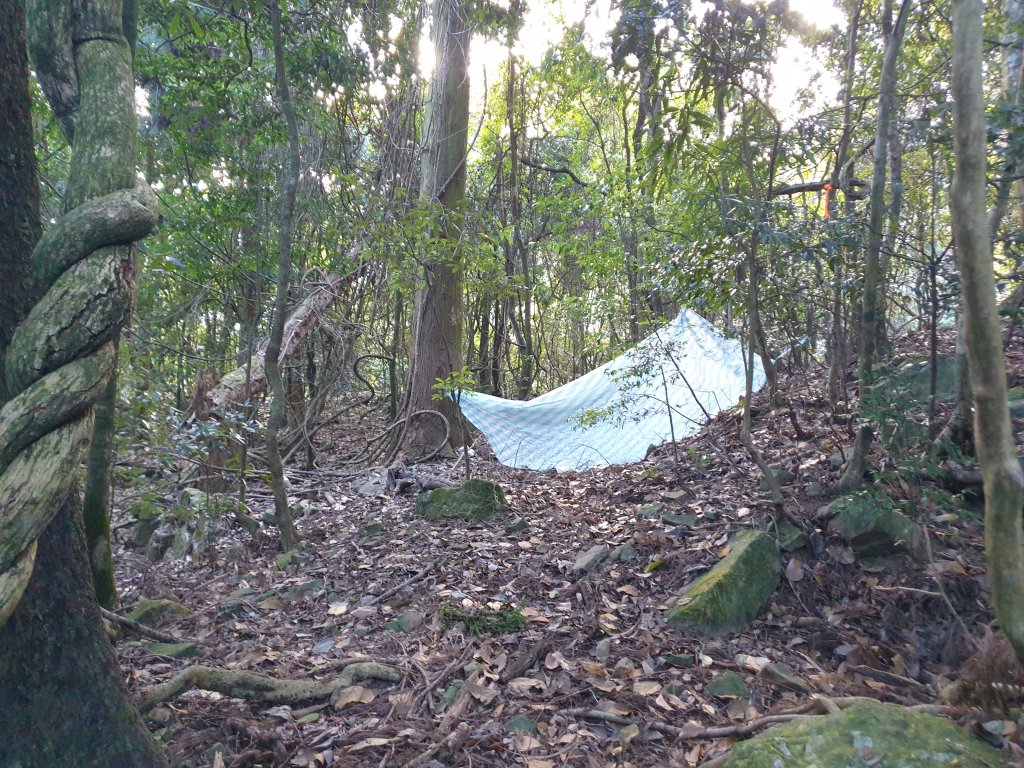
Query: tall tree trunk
{"points": [[437, 325], [857, 466], [96, 499], [278, 397], [63, 701], [19, 192], [1001, 472], [892, 229], [838, 344]]}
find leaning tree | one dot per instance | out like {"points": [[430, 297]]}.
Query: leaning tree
{"points": [[63, 701]]}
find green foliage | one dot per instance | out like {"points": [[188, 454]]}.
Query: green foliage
{"points": [[453, 384], [147, 507], [484, 621]]}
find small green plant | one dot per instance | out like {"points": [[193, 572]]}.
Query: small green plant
{"points": [[454, 383], [506, 619], [147, 507]]}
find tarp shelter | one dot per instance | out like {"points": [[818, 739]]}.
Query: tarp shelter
{"points": [[615, 413]]}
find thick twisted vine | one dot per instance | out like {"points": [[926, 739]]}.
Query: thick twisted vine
{"points": [[59, 360]]}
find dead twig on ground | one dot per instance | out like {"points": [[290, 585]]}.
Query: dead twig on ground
{"points": [[142, 629]]}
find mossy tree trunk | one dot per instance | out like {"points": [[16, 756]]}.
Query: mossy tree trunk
{"points": [[993, 434], [96, 499], [19, 192], [63, 701]]}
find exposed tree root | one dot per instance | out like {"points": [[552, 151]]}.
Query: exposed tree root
{"points": [[253, 686], [813, 708], [142, 629]]}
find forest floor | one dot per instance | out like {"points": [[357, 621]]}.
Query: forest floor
{"points": [[567, 669]]}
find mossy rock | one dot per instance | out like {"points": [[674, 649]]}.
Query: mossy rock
{"points": [[475, 500], [911, 382], [866, 734], [874, 530], [151, 612], [728, 685], [727, 597]]}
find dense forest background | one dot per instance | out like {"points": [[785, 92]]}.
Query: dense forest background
{"points": [[367, 208]]}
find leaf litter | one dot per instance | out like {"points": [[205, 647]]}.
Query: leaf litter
{"points": [[510, 656]]}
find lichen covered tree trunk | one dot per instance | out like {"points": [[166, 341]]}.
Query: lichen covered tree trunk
{"points": [[63, 700], [997, 454], [96, 498]]}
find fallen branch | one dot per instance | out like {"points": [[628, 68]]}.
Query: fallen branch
{"points": [[526, 658], [399, 587], [230, 393], [142, 629], [855, 189], [450, 743], [442, 677], [252, 686], [889, 678]]}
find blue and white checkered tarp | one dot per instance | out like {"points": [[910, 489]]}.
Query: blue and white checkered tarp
{"points": [[615, 413]]}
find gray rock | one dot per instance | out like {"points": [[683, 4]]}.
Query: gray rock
{"points": [[624, 553], [782, 676], [521, 724], [728, 685], [791, 538], [873, 530], [152, 612], [649, 510], [406, 621], [784, 476], [589, 560], [685, 520]]}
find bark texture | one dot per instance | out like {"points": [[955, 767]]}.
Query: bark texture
{"points": [[437, 324], [1001, 472], [63, 701], [278, 400], [19, 192]]}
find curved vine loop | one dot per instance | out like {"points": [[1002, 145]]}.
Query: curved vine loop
{"points": [[59, 360], [62, 355]]}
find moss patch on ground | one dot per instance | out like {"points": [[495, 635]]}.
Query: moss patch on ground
{"points": [[475, 500], [866, 735]]}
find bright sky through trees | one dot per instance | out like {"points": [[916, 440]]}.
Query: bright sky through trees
{"points": [[546, 22]]}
